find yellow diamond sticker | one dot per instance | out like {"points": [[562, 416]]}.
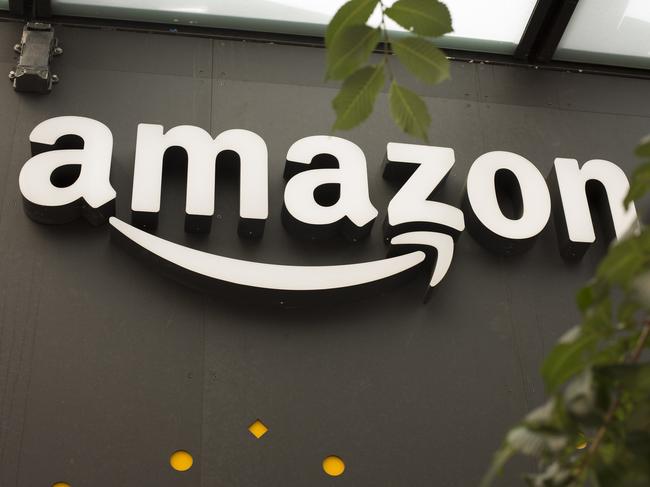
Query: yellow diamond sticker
{"points": [[258, 429]]}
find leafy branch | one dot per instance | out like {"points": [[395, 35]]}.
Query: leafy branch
{"points": [[350, 43], [595, 427], [597, 376], [600, 434]]}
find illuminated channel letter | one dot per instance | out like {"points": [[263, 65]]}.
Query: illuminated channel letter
{"points": [[202, 152], [573, 187], [501, 182], [68, 175], [422, 169], [327, 189]]}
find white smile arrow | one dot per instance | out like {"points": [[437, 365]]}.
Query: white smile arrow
{"points": [[289, 277]]}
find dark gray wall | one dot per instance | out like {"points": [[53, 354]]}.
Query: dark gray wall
{"points": [[107, 367]]}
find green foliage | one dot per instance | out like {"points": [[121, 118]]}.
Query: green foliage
{"points": [[429, 18], [624, 260], [634, 378], [350, 49], [640, 183], [595, 427], [422, 58], [350, 42], [355, 12], [357, 96], [567, 359], [409, 111], [597, 378], [501, 457], [643, 149]]}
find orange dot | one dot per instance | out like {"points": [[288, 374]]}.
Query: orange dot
{"points": [[333, 466], [181, 460]]}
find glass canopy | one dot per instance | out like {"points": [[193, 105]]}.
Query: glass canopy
{"points": [[493, 26], [608, 32], [614, 32]]}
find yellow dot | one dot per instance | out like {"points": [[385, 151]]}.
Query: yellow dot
{"points": [[181, 460], [333, 466], [258, 429], [60, 484]]}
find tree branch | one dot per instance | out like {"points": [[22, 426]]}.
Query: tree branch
{"points": [[600, 434], [386, 39]]}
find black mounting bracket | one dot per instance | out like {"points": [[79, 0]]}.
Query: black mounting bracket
{"points": [[36, 48]]}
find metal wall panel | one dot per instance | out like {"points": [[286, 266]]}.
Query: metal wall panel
{"points": [[107, 367]]}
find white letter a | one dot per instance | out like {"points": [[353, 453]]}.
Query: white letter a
{"points": [[89, 195]]}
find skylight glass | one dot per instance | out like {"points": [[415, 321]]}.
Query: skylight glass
{"points": [[608, 32], [487, 25]]}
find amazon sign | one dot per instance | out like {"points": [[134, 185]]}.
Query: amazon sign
{"points": [[326, 194]]}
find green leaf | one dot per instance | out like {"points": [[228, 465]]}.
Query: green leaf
{"points": [[627, 311], [598, 319], [581, 399], [639, 418], [552, 418], [422, 58], [643, 149], [429, 18], [567, 359], [640, 289], [355, 12], [355, 101], [542, 416], [594, 292], [409, 111], [555, 475], [584, 298], [639, 183], [632, 378], [624, 462], [535, 443], [350, 49], [611, 353], [501, 457], [624, 260], [571, 335]]}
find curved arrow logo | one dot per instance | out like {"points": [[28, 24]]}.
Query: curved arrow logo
{"points": [[294, 278]]}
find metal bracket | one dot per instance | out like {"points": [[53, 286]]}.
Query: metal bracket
{"points": [[37, 47]]}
